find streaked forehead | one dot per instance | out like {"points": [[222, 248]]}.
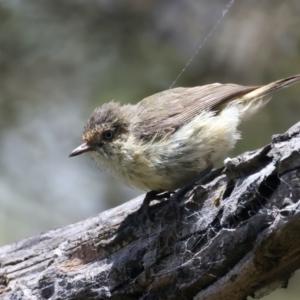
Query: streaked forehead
{"points": [[93, 135]]}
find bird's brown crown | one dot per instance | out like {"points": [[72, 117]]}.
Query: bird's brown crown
{"points": [[105, 124]]}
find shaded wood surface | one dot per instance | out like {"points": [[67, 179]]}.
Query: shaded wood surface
{"points": [[239, 235]]}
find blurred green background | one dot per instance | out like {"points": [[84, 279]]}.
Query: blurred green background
{"points": [[60, 59]]}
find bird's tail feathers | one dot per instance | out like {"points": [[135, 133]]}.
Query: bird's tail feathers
{"points": [[271, 87]]}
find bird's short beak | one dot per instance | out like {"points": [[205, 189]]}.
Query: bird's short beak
{"points": [[81, 149]]}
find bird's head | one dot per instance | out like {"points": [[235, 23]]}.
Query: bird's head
{"points": [[106, 128]]}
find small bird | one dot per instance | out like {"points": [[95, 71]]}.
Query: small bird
{"points": [[165, 140]]}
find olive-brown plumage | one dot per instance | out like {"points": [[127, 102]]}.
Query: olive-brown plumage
{"points": [[166, 139]]}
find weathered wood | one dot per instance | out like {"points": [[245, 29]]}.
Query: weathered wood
{"points": [[238, 236]]}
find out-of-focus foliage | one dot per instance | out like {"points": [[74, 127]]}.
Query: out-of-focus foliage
{"points": [[60, 59]]}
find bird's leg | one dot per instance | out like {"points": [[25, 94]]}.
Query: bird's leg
{"points": [[205, 175], [150, 196]]}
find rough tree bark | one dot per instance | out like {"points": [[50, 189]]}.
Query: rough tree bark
{"points": [[238, 236]]}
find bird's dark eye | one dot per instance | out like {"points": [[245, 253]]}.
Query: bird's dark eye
{"points": [[108, 134]]}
